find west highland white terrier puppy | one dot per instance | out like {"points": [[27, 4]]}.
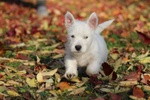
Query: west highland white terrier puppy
{"points": [[84, 47]]}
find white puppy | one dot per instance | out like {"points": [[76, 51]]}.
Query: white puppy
{"points": [[84, 47]]}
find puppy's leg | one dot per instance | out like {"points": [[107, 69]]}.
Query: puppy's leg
{"points": [[71, 68], [93, 68]]}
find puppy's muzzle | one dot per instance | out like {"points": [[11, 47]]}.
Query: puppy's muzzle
{"points": [[78, 47]]}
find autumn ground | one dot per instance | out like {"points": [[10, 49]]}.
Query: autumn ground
{"points": [[32, 51]]}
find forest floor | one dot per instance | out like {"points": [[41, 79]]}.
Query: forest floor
{"points": [[32, 52]]}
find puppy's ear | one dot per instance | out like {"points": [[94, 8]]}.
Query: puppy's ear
{"points": [[93, 20], [69, 19], [102, 26]]}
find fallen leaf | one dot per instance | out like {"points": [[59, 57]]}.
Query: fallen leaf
{"points": [[115, 96], [31, 82], [133, 76], [136, 98], [94, 80], [39, 77], [128, 83], [117, 65], [50, 73], [145, 60], [63, 86], [107, 68], [77, 91], [146, 88], [100, 98], [144, 37], [75, 80], [137, 92], [145, 79], [12, 93], [57, 77], [2, 89]]}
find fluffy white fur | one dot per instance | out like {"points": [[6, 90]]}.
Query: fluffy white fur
{"points": [[84, 47]]}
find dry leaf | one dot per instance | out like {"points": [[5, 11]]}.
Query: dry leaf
{"points": [[39, 77], [145, 79], [117, 65], [57, 77], [76, 79], [63, 86], [77, 91], [12, 93], [31, 82], [136, 98], [51, 73], [128, 83], [137, 92]]}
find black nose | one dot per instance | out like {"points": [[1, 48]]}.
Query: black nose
{"points": [[78, 47]]}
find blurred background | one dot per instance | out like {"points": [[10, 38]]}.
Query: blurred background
{"points": [[30, 16]]}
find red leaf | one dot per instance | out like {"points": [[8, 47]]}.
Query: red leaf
{"points": [[94, 80], [21, 56], [115, 96], [1, 75], [107, 68], [137, 92], [114, 76], [145, 38], [100, 99]]}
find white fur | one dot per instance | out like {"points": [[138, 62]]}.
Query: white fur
{"points": [[93, 51]]}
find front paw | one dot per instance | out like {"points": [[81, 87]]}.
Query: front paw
{"points": [[70, 75]]}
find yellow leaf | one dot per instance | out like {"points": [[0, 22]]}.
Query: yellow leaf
{"points": [[114, 56], [128, 83], [12, 93], [21, 72], [2, 89], [117, 64], [146, 87], [136, 98], [145, 60], [77, 91], [143, 55], [51, 73], [12, 82], [57, 77], [39, 77], [75, 80], [53, 92], [107, 90], [31, 82]]}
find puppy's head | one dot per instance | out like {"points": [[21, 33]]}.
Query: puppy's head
{"points": [[80, 33]]}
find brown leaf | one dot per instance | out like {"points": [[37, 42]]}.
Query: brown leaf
{"points": [[146, 79], [114, 76], [94, 80], [62, 37], [137, 92], [100, 98], [115, 96], [107, 68], [21, 56], [133, 76]]}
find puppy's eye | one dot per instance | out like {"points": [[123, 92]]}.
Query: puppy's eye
{"points": [[72, 36], [85, 37]]}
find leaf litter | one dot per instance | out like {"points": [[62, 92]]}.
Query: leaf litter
{"points": [[32, 50]]}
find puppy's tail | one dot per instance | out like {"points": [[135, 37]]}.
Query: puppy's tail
{"points": [[102, 26]]}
